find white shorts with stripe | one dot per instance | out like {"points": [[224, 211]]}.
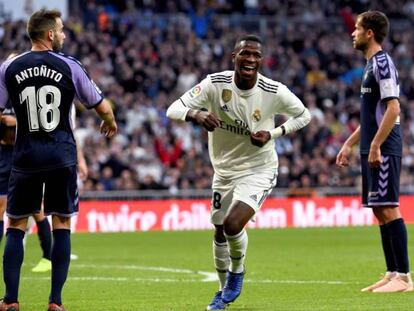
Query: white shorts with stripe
{"points": [[251, 189]]}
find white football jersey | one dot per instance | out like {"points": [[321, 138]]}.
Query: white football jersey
{"points": [[241, 112]]}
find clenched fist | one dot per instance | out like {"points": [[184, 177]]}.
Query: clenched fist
{"points": [[260, 138]]}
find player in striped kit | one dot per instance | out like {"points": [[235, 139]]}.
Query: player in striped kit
{"points": [[238, 109]]}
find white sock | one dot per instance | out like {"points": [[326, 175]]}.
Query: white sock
{"points": [[221, 260], [401, 274], [237, 247]]}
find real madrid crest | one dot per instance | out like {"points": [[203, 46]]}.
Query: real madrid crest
{"points": [[256, 115], [226, 95]]}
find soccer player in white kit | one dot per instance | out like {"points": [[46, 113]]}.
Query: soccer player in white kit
{"points": [[238, 109]]}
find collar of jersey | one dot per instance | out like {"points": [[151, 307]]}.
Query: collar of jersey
{"points": [[245, 93]]}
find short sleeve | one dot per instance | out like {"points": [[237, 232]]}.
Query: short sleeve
{"points": [[87, 91], [386, 75]]}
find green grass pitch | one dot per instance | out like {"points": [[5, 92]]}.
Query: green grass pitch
{"points": [[289, 269]]}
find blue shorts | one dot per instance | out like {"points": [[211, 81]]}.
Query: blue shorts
{"points": [[60, 195], [6, 153], [381, 185]]}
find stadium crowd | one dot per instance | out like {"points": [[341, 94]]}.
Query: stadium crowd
{"points": [[145, 54]]}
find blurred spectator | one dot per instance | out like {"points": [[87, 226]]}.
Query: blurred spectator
{"points": [[144, 54], [200, 20]]}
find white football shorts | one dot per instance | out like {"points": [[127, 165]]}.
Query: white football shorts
{"points": [[251, 189]]}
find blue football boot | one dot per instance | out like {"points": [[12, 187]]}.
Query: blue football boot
{"points": [[232, 287], [217, 303]]}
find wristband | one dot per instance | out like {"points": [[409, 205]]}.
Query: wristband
{"points": [[275, 133]]}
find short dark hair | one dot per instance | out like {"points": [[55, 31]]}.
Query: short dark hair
{"points": [[377, 22], [250, 37], [40, 22]]}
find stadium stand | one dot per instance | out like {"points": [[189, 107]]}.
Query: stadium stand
{"points": [[144, 54]]}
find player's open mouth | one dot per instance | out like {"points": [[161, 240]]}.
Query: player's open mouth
{"points": [[248, 69]]}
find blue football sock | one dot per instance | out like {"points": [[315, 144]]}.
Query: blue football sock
{"points": [[60, 263], [45, 237], [387, 248], [398, 235], [12, 262]]}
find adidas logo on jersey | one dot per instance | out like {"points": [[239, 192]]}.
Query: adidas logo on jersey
{"points": [[253, 197]]}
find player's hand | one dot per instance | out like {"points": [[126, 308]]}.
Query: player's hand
{"points": [[260, 138], [374, 157], [82, 170], [8, 120], [109, 129], [208, 120], [342, 159]]}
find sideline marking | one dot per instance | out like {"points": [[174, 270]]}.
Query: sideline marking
{"points": [[169, 280], [207, 276]]}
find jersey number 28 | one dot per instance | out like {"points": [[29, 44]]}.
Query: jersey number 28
{"points": [[42, 107]]}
